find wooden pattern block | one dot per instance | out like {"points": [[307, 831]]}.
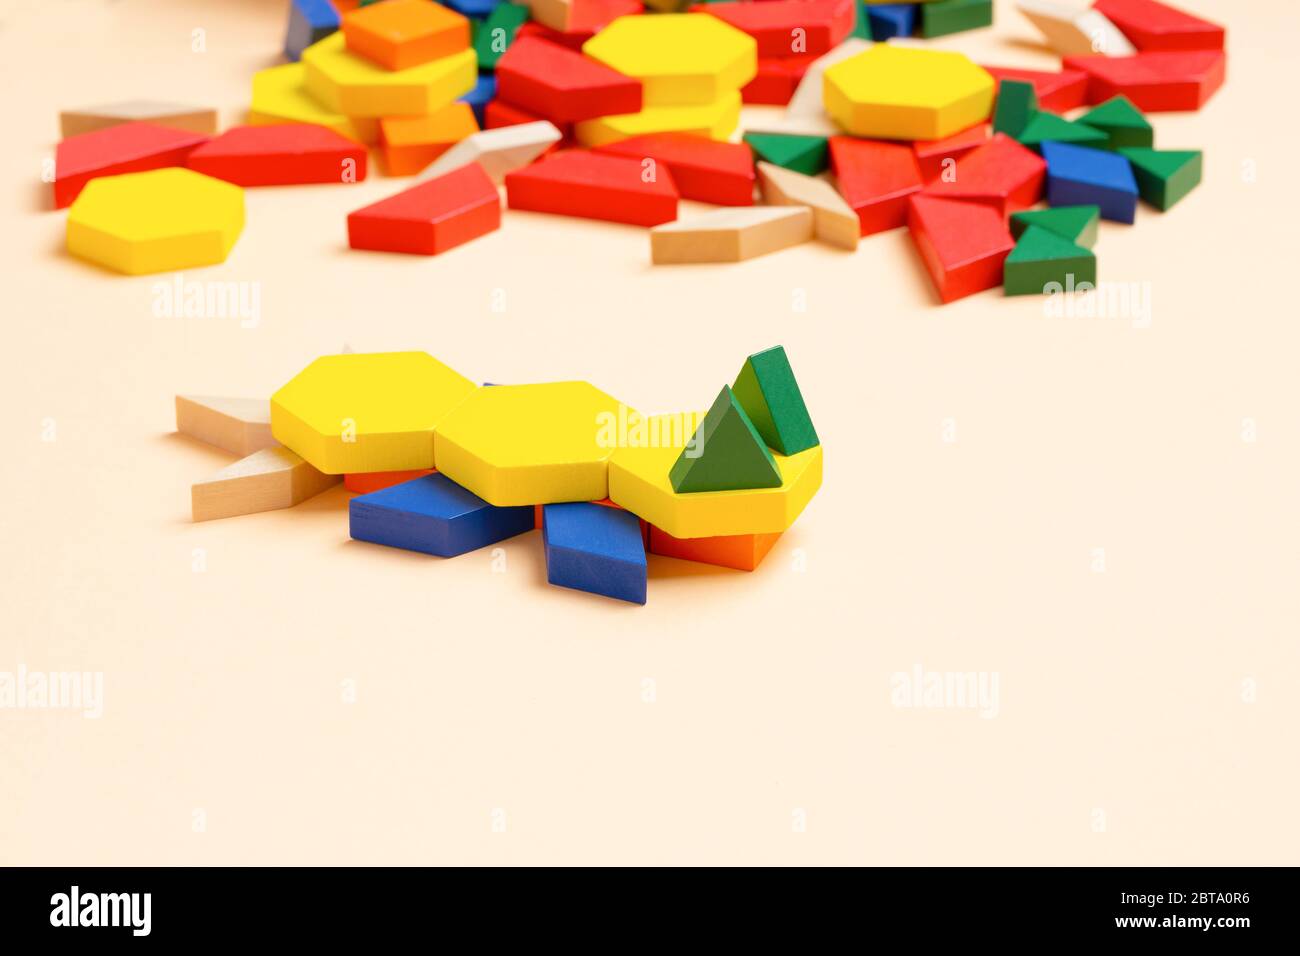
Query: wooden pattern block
{"points": [[431, 217], [742, 552], [498, 151], [346, 83], [934, 156], [875, 178], [562, 86], [193, 119], [267, 480], [240, 426], [1164, 176], [1158, 26], [731, 235], [497, 33], [1122, 122], [703, 169], [280, 155], [1071, 30], [529, 444], [399, 34], [897, 92], [775, 80], [1079, 176], [1059, 91], [638, 481], [156, 221], [681, 59], [280, 96], [725, 453], [821, 25], [834, 220], [808, 95], [1042, 260], [595, 549], [963, 244], [593, 186], [367, 411], [433, 515], [364, 482], [943, 17], [113, 150], [769, 393], [309, 22], [716, 120], [803, 154], [1155, 82], [410, 143], [888, 20], [1001, 173], [1015, 107], [1076, 223], [1046, 127]]}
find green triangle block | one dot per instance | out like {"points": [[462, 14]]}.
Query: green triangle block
{"points": [[495, 34], [767, 391], [1164, 176], [1076, 223], [1017, 103], [1048, 127], [861, 22], [803, 154], [725, 453], [942, 17], [1041, 258], [1121, 121]]}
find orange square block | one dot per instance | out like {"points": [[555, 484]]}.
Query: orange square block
{"points": [[398, 34], [409, 143], [744, 552], [364, 482]]}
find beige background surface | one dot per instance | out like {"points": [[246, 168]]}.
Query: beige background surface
{"points": [[1146, 714]]}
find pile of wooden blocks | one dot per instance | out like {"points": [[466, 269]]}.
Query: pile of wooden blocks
{"points": [[443, 466]]}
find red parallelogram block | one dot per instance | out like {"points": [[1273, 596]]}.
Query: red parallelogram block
{"points": [[563, 86], [875, 178], [824, 23], [776, 80], [364, 482], [576, 182], [963, 244], [1057, 92], [127, 148], [280, 155], [1157, 26], [1001, 173], [1155, 82], [702, 169], [933, 155], [430, 218]]}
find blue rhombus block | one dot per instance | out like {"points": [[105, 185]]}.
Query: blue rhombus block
{"points": [[595, 548]]}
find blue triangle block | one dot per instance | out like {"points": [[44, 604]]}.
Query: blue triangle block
{"points": [[434, 515], [1079, 176], [595, 548], [309, 21], [892, 20], [472, 8]]}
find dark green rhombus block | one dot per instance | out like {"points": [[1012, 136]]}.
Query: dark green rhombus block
{"points": [[1164, 176], [725, 453], [766, 388], [1041, 258]]}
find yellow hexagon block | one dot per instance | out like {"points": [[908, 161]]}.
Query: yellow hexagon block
{"points": [[280, 96], [897, 92], [530, 444], [681, 59], [367, 412], [155, 221], [717, 120], [346, 83], [638, 481]]}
